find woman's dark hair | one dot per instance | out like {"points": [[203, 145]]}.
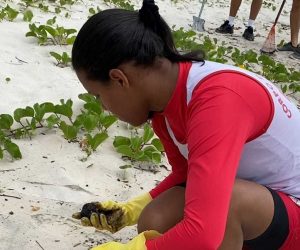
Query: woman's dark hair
{"points": [[115, 36]]}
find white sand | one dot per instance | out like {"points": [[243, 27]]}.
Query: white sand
{"points": [[50, 180]]}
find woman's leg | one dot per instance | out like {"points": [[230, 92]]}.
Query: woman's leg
{"points": [[250, 214], [164, 212], [254, 219]]}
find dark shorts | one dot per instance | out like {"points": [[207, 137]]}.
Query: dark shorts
{"points": [[284, 230], [277, 232]]}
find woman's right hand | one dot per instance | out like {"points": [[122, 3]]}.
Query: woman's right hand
{"points": [[107, 215], [112, 216]]}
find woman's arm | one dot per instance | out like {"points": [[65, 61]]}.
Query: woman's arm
{"points": [[176, 160], [219, 123]]}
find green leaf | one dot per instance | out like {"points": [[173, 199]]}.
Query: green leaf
{"points": [[6, 121], [71, 40], [2, 136], [43, 7], [235, 54], [92, 11], [65, 58], [57, 56], [266, 60], [98, 139], [33, 123], [136, 143], [27, 16], [2, 15], [90, 122], [95, 107], [70, 31], [121, 140], [1, 153], [20, 113], [64, 109], [79, 120], [42, 33], [18, 133], [51, 21], [39, 112], [69, 103], [13, 149], [281, 77], [212, 54], [70, 132], [150, 149], [48, 107], [284, 88], [52, 120], [31, 33], [108, 121], [125, 150], [157, 143], [143, 156], [11, 13], [140, 156], [295, 76], [33, 27], [60, 31], [156, 157], [53, 32], [148, 133], [42, 40], [57, 10], [87, 97], [251, 56], [280, 68]]}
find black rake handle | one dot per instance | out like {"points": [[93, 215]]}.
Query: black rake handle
{"points": [[279, 12]]}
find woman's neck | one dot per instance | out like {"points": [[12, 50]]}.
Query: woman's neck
{"points": [[164, 78]]}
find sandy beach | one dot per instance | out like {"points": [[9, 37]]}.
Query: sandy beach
{"points": [[39, 193]]}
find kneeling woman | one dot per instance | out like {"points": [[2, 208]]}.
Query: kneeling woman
{"points": [[231, 137]]}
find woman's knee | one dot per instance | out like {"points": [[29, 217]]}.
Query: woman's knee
{"points": [[150, 219], [245, 194], [163, 212], [251, 207]]}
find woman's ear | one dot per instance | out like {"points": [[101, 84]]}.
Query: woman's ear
{"points": [[117, 75]]}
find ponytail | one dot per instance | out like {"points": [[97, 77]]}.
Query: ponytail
{"points": [[149, 15], [114, 36]]}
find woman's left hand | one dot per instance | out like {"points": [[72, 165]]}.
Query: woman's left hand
{"points": [[136, 243]]}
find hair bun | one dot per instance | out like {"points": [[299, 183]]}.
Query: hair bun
{"points": [[149, 13]]}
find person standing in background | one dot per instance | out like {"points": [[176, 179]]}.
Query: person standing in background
{"points": [[295, 27], [228, 25]]}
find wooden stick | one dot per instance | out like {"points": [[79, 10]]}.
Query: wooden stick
{"points": [[39, 245], [10, 196]]}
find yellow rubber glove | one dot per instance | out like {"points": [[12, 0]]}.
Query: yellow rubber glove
{"points": [[137, 243], [112, 216]]}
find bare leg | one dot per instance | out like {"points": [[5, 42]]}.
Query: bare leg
{"points": [[251, 212], [234, 7], [295, 22], [170, 205], [255, 8]]}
